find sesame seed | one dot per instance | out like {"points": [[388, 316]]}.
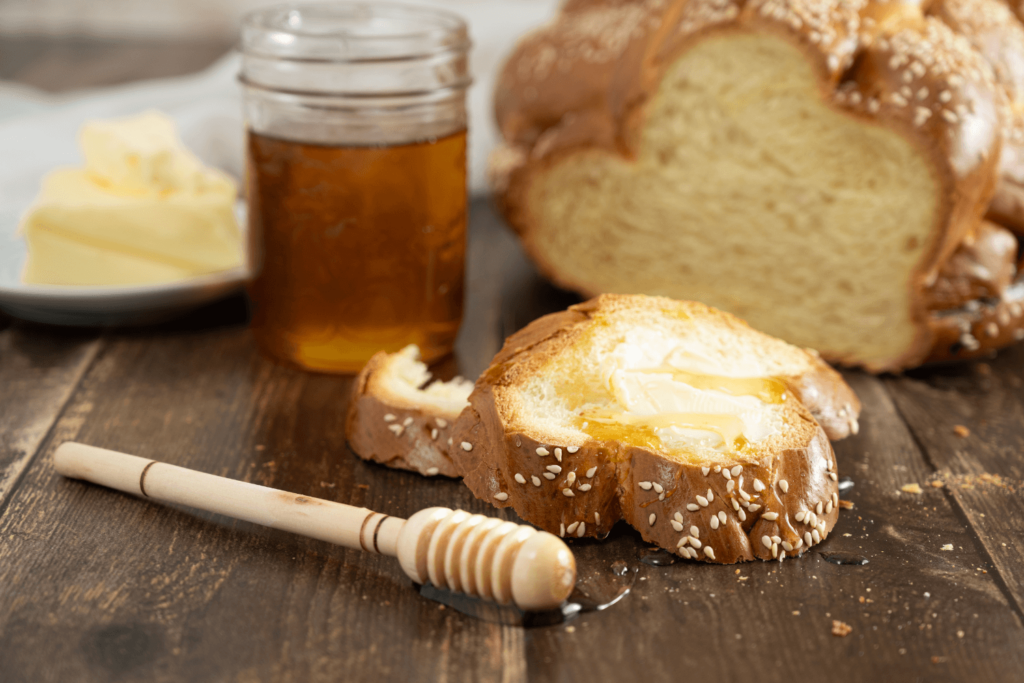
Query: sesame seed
{"points": [[432, 471], [811, 519], [945, 96], [397, 429], [921, 114], [645, 485], [735, 505], [694, 531], [707, 551], [799, 543], [541, 451], [652, 519], [571, 528], [787, 546], [677, 516], [730, 486], [950, 116], [726, 474], [818, 507], [695, 542], [784, 485], [833, 476], [767, 541], [873, 105], [659, 488], [816, 536], [584, 487], [661, 496], [711, 495], [501, 496], [693, 507], [722, 516], [828, 508], [548, 475], [717, 469], [713, 522], [758, 486], [556, 469], [775, 550], [433, 434], [558, 454], [406, 422], [582, 530], [683, 541], [992, 330], [799, 516], [753, 507], [705, 470], [770, 516], [441, 422], [390, 418], [702, 501], [449, 441], [742, 515], [561, 530], [1003, 316], [536, 480], [835, 498], [907, 77], [520, 478], [898, 99], [568, 493], [572, 449], [570, 478], [744, 495], [467, 446], [676, 525], [597, 518], [809, 539], [737, 470], [591, 472]]}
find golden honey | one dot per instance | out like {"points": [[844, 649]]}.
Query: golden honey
{"points": [[356, 249]]}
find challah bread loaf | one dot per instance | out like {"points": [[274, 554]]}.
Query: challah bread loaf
{"points": [[809, 165], [679, 419], [401, 419]]}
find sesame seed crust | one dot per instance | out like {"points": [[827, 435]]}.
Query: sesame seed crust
{"points": [[943, 77], [384, 427], [666, 499]]}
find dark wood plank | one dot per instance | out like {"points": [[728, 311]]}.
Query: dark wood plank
{"points": [[62, 63], [927, 615], [38, 373], [983, 471]]}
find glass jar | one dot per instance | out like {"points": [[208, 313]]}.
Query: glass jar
{"points": [[356, 180]]}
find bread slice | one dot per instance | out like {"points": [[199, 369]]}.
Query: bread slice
{"points": [[675, 417], [400, 418], [809, 167]]}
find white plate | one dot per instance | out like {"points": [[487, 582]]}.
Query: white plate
{"points": [[101, 306]]}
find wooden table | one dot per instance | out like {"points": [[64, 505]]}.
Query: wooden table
{"points": [[100, 586]]}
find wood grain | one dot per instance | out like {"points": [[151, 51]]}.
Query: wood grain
{"points": [[38, 372], [983, 470]]}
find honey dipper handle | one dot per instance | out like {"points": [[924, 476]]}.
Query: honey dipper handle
{"points": [[345, 525]]}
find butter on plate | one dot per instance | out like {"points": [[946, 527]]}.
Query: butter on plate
{"points": [[144, 210]]}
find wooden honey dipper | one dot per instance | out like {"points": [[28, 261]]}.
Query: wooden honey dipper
{"points": [[481, 556]]}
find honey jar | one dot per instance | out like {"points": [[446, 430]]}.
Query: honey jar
{"points": [[356, 180]]}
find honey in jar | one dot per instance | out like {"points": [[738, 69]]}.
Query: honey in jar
{"points": [[356, 249], [356, 180]]}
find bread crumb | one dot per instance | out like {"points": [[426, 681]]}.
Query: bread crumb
{"points": [[948, 546], [841, 628], [911, 488], [796, 613], [570, 629], [861, 599], [961, 431], [938, 484], [846, 504]]}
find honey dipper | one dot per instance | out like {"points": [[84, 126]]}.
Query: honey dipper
{"points": [[481, 556]]}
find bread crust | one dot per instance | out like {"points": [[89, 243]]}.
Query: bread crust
{"points": [[981, 268], [384, 429], [899, 69], [979, 328], [508, 464]]}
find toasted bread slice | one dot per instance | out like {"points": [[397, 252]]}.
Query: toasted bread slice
{"points": [[399, 418], [678, 418]]}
